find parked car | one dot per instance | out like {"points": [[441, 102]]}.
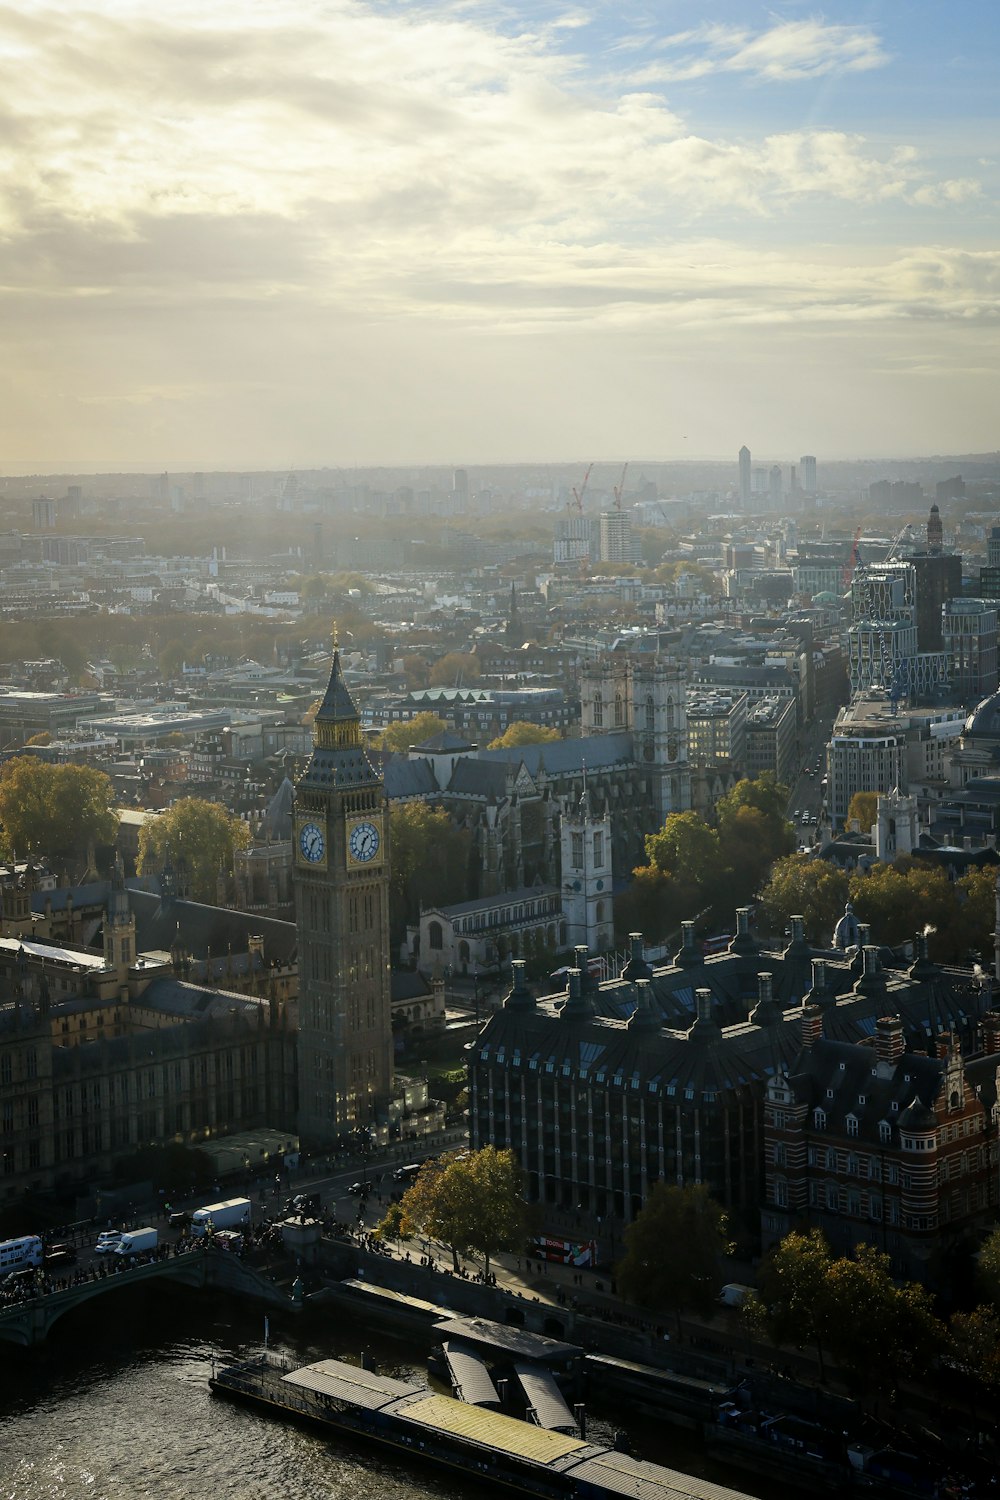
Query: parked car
{"points": [[361, 1189]]}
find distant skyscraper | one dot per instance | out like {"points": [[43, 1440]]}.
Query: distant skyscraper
{"points": [[774, 486], [745, 481], [616, 536], [460, 483], [808, 465]]}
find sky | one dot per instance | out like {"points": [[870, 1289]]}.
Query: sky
{"points": [[281, 233]]}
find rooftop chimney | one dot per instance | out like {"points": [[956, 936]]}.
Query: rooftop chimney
{"points": [[889, 1041], [644, 1017], [577, 1006], [637, 967], [705, 1028], [520, 997], [811, 1019], [688, 955]]}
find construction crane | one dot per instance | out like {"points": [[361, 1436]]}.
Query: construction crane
{"points": [[578, 494], [619, 489], [852, 562]]}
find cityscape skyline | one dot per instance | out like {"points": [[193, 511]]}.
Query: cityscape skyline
{"points": [[386, 234]]}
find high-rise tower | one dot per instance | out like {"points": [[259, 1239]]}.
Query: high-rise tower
{"points": [[341, 831], [746, 480]]}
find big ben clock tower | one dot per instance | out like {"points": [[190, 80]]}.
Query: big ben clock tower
{"points": [[342, 911]]}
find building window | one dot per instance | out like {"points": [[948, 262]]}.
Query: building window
{"points": [[598, 711], [819, 1119], [577, 854], [435, 936], [852, 1124], [781, 1192], [598, 848]]}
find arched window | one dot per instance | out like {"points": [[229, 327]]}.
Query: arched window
{"points": [[463, 952], [650, 712], [598, 710], [619, 711], [670, 715], [599, 911], [435, 936]]}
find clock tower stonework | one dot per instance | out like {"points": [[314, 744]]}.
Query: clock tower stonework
{"points": [[340, 831]]}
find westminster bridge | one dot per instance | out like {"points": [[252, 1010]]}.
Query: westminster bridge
{"points": [[29, 1320]]}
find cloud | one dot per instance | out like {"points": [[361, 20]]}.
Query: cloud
{"points": [[240, 179], [786, 52]]}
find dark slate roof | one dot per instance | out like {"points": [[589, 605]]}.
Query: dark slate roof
{"points": [[203, 927], [732, 979], [337, 704], [446, 741], [407, 985], [478, 778], [560, 757], [348, 767], [276, 824], [408, 778], [94, 894], [709, 1059], [173, 997], [668, 1063], [503, 898], [844, 1079]]}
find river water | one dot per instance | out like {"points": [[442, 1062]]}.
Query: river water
{"points": [[116, 1406]]}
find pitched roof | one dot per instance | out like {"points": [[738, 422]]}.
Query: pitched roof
{"points": [[203, 927]]}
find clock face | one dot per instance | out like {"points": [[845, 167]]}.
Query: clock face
{"points": [[311, 842], [363, 842]]}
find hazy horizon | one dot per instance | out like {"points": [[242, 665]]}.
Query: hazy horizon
{"points": [[239, 236]]}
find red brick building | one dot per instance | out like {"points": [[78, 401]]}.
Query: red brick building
{"points": [[869, 1142]]}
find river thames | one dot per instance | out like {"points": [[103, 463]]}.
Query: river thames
{"points": [[117, 1407]]}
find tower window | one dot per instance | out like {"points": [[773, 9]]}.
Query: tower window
{"points": [[598, 848], [577, 851]]}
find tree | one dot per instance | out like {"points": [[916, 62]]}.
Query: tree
{"points": [[523, 733], [202, 834], [391, 1226], [794, 1289], [875, 1327], [672, 1251], [988, 1272], [55, 809], [430, 862], [39, 739], [973, 933], [976, 1341], [754, 831], [651, 905], [457, 669], [407, 732], [471, 1203], [888, 896], [687, 849], [810, 888], [864, 807]]}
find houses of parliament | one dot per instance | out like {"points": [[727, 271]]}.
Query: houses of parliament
{"points": [[112, 1038]]}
